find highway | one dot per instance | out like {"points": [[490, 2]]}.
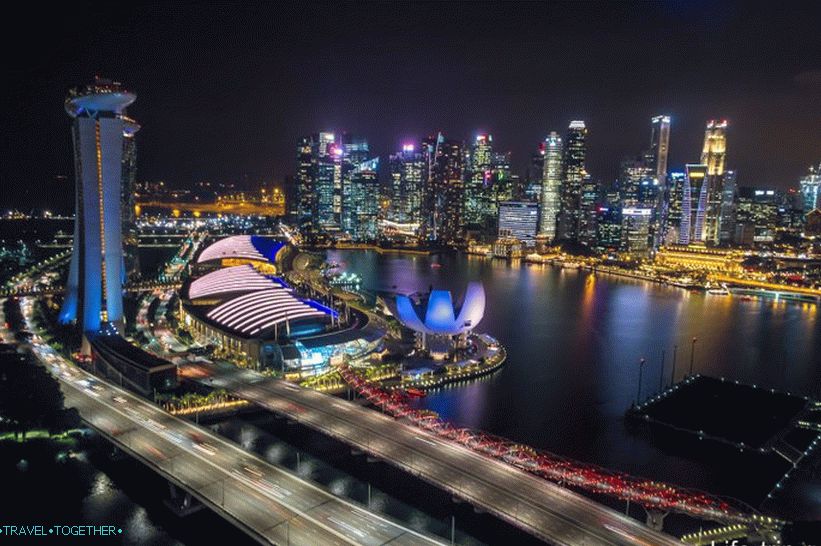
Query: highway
{"points": [[546, 510], [270, 504]]}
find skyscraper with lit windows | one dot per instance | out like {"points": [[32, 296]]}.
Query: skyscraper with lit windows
{"points": [[444, 209], [575, 153], [100, 131], [478, 183], [810, 187], [714, 156], [407, 186], [551, 185], [694, 198], [660, 146], [362, 203]]}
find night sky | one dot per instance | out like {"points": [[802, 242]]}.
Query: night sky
{"points": [[224, 91]]}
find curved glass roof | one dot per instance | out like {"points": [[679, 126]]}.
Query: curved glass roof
{"points": [[253, 313], [252, 247], [241, 278]]}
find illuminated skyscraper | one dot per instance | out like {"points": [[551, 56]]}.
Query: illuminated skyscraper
{"points": [[407, 186], [94, 288], [518, 220], [675, 188], [574, 171], [660, 146], [355, 153], [608, 228], [551, 186], [727, 213], [503, 183], [693, 204], [634, 172], [362, 203], [303, 206], [444, 218], [535, 174], [714, 152], [714, 156], [130, 239], [327, 161], [810, 187], [636, 230], [478, 184], [588, 201], [325, 164]]}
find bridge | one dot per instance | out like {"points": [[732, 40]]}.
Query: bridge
{"points": [[242, 208], [269, 504], [544, 509], [36, 290]]}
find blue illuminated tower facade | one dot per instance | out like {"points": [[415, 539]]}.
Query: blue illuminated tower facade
{"points": [[99, 132]]}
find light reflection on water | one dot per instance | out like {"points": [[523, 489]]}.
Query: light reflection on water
{"points": [[574, 341]]}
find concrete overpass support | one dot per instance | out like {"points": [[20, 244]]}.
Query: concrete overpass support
{"points": [[655, 519]]}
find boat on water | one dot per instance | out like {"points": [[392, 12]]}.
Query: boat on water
{"points": [[718, 292], [415, 393], [755, 293], [435, 265]]}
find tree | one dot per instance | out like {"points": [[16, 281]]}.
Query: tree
{"points": [[29, 396]]}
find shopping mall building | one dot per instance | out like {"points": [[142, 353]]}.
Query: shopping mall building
{"points": [[239, 300]]}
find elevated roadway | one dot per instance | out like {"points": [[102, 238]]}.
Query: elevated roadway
{"points": [[543, 509], [270, 504]]}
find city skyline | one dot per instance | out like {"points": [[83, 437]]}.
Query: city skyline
{"points": [[413, 273], [254, 115]]}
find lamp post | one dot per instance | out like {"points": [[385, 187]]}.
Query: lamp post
{"points": [[673, 371], [661, 372], [692, 354], [641, 370]]}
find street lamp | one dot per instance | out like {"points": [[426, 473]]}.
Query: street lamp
{"points": [[692, 353], [641, 370], [673, 371]]}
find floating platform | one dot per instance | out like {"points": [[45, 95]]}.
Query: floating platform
{"points": [[734, 427], [718, 409]]}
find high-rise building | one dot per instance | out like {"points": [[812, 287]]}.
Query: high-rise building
{"points": [[693, 204], [714, 156], [361, 207], [408, 176], [355, 152], [634, 173], [714, 152], [575, 152], [444, 218], [325, 166], [535, 174], [328, 163], [810, 187], [478, 184], [635, 230], [503, 183], [94, 288], [660, 146], [519, 220], [551, 186], [675, 196], [590, 198], [608, 228], [303, 206], [727, 214], [757, 217], [131, 256]]}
